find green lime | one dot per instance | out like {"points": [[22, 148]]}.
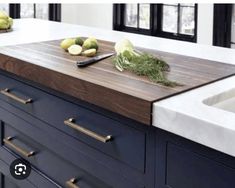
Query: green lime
{"points": [[89, 44], [66, 43], [93, 39], [89, 53], [79, 41]]}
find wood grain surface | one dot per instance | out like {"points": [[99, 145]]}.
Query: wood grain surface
{"points": [[101, 84]]}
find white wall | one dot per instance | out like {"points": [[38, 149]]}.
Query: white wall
{"points": [[205, 24], [95, 15], [101, 15]]}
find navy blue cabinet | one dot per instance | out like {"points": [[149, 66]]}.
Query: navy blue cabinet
{"points": [[36, 178], [127, 144], [65, 150], [43, 158], [182, 164], [52, 158], [76, 144]]}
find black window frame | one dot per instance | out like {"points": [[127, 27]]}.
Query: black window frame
{"points": [[156, 11], [222, 25], [54, 11]]}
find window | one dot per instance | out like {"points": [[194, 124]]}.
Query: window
{"points": [[26, 10], [176, 21], [137, 16], [34, 11], [42, 11], [178, 18], [30, 10]]}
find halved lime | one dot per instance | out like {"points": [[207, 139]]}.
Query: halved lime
{"points": [[75, 49], [89, 53]]}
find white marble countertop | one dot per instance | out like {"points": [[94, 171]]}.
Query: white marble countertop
{"points": [[189, 116], [184, 114], [35, 30]]}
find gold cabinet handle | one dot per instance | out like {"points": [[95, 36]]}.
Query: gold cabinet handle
{"points": [[8, 142], [7, 93], [71, 183], [70, 123]]}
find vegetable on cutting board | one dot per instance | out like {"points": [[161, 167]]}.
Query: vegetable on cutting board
{"points": [[66, 43], [75, 49], [90, 43], [77, 46], [79, 41], [142, 64], [89, 53]]}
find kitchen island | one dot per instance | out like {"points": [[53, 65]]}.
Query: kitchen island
{"points": [[103, 118]]}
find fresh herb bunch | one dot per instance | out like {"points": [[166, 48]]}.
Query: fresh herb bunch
{"points": [[143, 64]]}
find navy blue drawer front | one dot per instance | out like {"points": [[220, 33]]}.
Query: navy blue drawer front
{"points": [[35, 180], [58, 169], [7, 181], [55, 150], [127, 144]]}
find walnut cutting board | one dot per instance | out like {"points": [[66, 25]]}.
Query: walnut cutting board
{"points": [[101, 84]]}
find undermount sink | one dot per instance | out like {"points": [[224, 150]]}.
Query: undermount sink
{"points": [[224, 101]]}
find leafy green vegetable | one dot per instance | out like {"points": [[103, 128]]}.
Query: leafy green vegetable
{"points": [[142, 64], [123, 45]]}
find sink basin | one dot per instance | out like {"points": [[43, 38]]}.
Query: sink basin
{"points": [[224, 101]]}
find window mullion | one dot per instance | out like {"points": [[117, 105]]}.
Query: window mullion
{"points": [[138, 16], [153, 19], [34, 10], [178, 19], [159, 18]]}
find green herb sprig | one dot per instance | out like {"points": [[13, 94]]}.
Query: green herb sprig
{"points": [[144, 64]]}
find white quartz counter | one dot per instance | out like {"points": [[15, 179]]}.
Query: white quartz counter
{"points": [[184, 114], [189, 116], [35, 30]]}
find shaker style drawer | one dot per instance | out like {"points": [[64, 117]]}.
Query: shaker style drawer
{"points": [[119, 141], [46, 161], [35, 179]]}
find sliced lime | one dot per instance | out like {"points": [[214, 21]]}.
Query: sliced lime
{"points": [[75, 49], [89, 53]]}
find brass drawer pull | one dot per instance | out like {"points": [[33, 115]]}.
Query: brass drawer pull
{"points": [[8, 142], [70, 123], [7, 93], [71, 183]]}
